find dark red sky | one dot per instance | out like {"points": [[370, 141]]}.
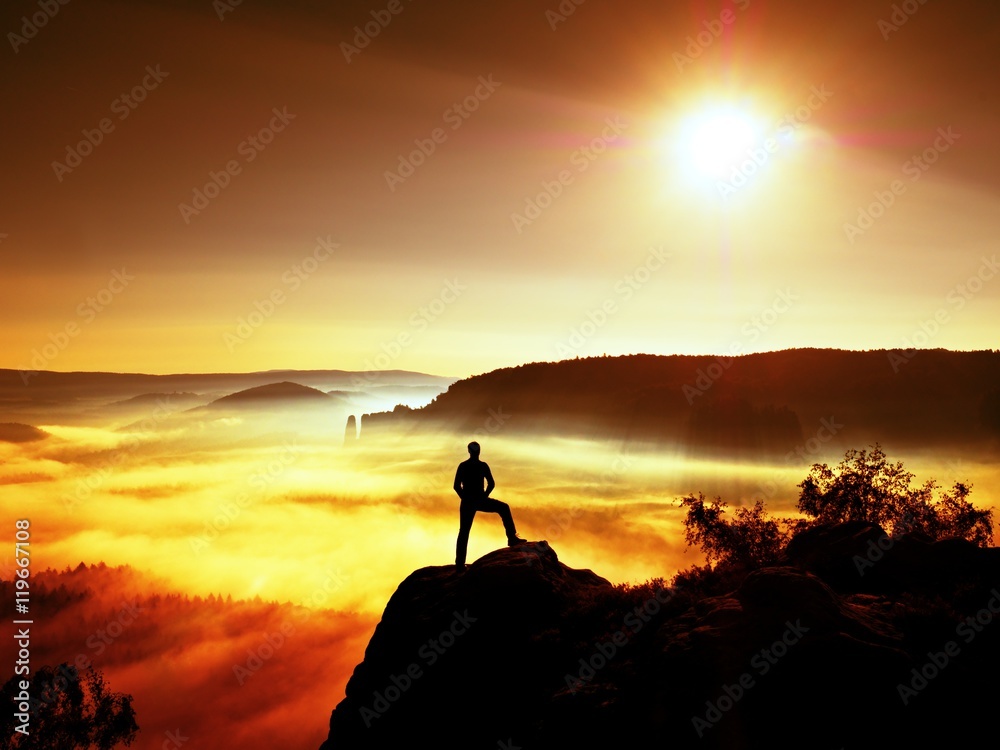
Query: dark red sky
{"points": [[522, 290]]}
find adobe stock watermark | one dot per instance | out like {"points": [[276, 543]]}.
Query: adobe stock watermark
{"points": [[761, 663], [174, 739], [103, 637], [562, 12], [901, 13], [250, 148], [427, 656], [956, 299], [808, 451], [558, 524], [363, 35], [419, 321], [753, 329], [271, 642], [625, 288], [86, 485], [877, 549], [564, 519], [784, 129], [433, 486], [606, 650], [87, 312], [222, 7], [581, 159], [30, 25], [262, 478], [697, 44], [915, 167], [123, 106], [292, 280], [260, 654], [937, 661], [454, 116], [98, 642]]}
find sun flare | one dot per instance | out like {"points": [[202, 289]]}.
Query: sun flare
{"points": [[713, 139]]}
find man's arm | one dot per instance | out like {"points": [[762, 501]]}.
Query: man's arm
{"points": [[458, 480], [490, 484]]}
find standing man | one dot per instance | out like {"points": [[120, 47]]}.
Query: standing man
{"points": [[469, 485]]}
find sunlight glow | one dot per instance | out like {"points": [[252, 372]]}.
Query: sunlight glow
{"points": [[714, 139]]}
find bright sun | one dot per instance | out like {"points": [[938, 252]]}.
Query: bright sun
{"points": [[714, 139]]}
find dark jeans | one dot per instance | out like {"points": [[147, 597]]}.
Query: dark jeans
{"points": [[466, 515]]}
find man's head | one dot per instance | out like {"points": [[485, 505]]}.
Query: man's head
{"points": [[474, 449]]}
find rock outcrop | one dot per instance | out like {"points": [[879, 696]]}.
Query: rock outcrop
{"points": [[464, 655], [522, 651]]}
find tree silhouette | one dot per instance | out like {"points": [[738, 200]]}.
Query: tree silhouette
{"points": [[750, 538], [69, 711], [956, 516], [865, 486]]}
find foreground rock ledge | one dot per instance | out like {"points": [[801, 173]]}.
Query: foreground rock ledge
{"points": [[522, 651]]}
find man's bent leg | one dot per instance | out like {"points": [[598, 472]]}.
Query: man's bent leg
{"points": [[496, 506], [466, 514]]}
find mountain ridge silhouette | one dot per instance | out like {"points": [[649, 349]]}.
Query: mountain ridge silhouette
{"points": [[746, 406]]}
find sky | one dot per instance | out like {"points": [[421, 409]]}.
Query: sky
{"points": [[454, 187]]}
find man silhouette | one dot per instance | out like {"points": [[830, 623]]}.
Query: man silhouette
{"points": [[469, 485]]}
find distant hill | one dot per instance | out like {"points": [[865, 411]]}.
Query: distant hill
{"points": [[14, 432], [261, 412], [152, 399], [276, 394], [88, 384], [770, 402], [86, 397]]}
